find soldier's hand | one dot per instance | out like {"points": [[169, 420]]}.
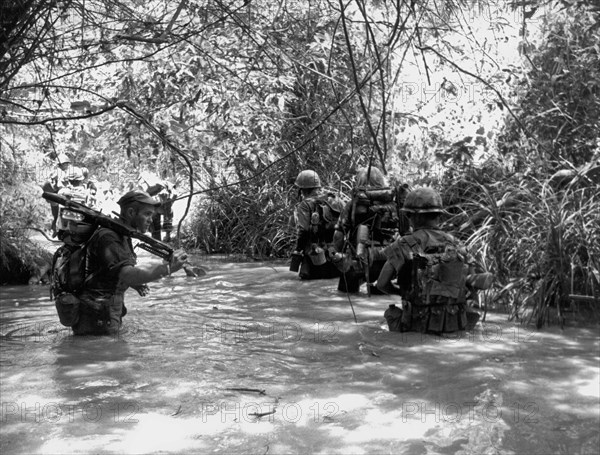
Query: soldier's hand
{"points": [[143, 289], [178, 261]]}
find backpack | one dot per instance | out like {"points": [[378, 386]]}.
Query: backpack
{"points": [[377, 209], [438, 286], [325, 215], [70, 269]]}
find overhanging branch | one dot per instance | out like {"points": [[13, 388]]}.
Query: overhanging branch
{"points": [[65, 118]]}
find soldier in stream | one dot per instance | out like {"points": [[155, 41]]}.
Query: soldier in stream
{"points": [[315, 218], [57, 180], [98, 306], [370, 221], [431, 268]]}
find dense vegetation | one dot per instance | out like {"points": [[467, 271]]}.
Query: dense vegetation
{"points": [[495, 104]]}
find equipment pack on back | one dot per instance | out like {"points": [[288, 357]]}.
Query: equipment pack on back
{"points": [[71, 265], [69, 271], [325, 214], [437, 293], [376, 208]]}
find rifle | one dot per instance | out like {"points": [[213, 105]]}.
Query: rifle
{"points": [[95, 217]]}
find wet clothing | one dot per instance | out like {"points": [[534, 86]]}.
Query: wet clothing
{"points": [[315, 218], [442, 313], [102, 299], [371, 218]]}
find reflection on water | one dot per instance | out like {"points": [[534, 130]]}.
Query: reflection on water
{"points": [[248, 359]]}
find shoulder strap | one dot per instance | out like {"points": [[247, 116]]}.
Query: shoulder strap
{"points": [[97, 234]]}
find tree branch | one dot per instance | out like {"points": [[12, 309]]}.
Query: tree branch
{"points": [[356, 83], [64, 118]]}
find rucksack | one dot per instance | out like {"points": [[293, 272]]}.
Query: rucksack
{"points": [[438, 287], [70, 269], [377, 209], [325, 215], [439, 275]]}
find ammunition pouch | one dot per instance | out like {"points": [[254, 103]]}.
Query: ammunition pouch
{"points": [[67, 307], [393, 316]]}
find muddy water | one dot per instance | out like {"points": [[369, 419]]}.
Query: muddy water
{"points": [[248, 359]]}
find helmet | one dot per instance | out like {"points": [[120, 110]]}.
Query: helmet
{"points": [[308, 179], [75, 174], [62, 158], [375, 178], [423, 200]]}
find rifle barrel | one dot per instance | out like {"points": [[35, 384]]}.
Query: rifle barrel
{"points": [[53, 197], [155, 246]]}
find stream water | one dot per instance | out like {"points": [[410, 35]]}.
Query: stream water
{"points": [[248, 359]]}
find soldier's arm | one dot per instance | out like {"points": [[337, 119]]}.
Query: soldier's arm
{"points": [[338, 240], [342, 227], [135, 276], [385, 280], [302, 217]]}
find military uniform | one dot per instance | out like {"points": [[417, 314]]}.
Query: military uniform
{"points": [[315, 217], [311, 234], [431, 268], [443, 313], [371, 218], [57, 180], [102, 301]]}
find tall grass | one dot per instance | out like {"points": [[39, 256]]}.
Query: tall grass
{"points": [[252, 221], [540, 238]]}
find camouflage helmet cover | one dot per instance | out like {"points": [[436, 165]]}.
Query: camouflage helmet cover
{"points": [[308, 179], [423, 200]]}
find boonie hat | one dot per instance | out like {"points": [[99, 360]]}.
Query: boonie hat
{"points": [[137, 196]]}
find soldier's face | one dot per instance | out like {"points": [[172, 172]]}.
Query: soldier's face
{"points": [[142, 218]]}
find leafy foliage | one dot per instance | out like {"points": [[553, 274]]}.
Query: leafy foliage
{"points": [[21, 208], [558, 101], [539, 237]]}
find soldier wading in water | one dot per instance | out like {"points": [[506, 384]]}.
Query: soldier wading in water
{"points": [[315, 216], [112, 269], [431, 268]]}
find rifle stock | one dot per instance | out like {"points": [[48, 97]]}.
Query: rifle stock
{"points": [[92, 216]]}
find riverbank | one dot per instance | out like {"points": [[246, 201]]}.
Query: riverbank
{"points": [[26, 257]]}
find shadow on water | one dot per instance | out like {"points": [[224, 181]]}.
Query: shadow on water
{"points": [[248, 359]]}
